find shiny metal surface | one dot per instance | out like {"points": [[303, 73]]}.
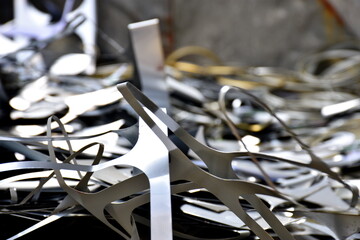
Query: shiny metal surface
{"points": [[77, 104], [149, 60], [146, 43]]}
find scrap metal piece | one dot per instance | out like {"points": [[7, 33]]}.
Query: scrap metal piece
{"points": [[339, 108], [146, 41], [149, 60], [30, 23]]}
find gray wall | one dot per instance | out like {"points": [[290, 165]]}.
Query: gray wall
{"points": [[242, 32], [251, 32]]}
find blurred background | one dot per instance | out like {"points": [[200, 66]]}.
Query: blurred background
{"points": [[241, 32]]}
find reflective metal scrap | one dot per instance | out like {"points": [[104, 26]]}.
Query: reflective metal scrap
{"points": [[275, 159]]}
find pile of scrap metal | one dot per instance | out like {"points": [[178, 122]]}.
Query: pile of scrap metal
{"points": [[200, 152]]}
